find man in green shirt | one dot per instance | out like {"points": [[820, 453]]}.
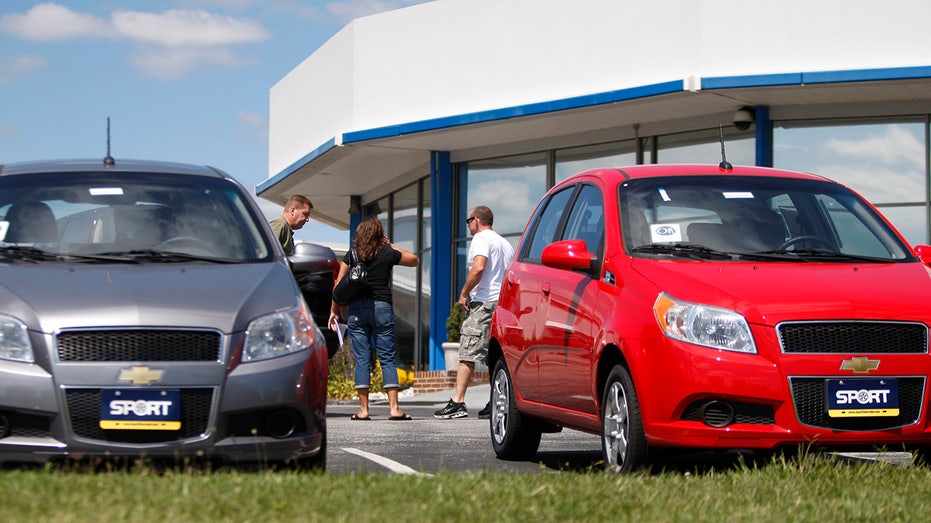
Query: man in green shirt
{"points": [[296, 213]]}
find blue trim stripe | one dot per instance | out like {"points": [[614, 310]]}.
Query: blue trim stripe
{"points": [[823, 77], [307, 158], [514, 112], [707, 84]]}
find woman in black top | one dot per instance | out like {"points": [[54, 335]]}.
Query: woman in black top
{"points": [[370, 317]]}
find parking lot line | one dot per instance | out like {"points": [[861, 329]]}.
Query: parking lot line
{"points": [[393, 466]]}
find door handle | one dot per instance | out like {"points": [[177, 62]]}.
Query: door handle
{"points": [[547, 288]]}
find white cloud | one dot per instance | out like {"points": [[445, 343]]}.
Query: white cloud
{"points": [[15, 66], [187, 28], [53, 23], [256, 124], [169, 43], [171, 62], [895, 146]]}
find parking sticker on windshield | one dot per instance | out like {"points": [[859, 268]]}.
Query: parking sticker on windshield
{"points": [[736, 195], [665, 232]]}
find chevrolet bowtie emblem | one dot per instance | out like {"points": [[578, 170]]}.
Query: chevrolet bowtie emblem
{"points": [[140, 375], [860, 365]]}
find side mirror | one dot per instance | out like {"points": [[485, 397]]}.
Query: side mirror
{"points": [[924, 254], [569, 255]]}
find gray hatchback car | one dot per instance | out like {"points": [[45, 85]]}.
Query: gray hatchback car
{"points": [[146, 309]]}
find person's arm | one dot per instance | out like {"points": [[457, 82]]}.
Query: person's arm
{"points": [[408, 259], [472, 279]]}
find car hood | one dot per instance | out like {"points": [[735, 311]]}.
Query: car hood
{"points": [[223, 297], [769, 293]]}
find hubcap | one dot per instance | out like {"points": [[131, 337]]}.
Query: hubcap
{"points": [[616, 426], [500, 393]]}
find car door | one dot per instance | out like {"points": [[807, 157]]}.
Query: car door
{"points": [[524, 296], [567, 310]]}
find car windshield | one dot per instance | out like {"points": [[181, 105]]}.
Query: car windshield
{"points": [[753, 218], [127, 218]]}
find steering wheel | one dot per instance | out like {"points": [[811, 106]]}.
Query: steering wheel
{"points": [[817, 240], [196, 243]]}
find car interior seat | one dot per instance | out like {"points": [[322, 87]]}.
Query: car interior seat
{"points": [[712, 235], [31, 222]]}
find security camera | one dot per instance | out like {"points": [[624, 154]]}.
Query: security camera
{"points": [[743, 118]]}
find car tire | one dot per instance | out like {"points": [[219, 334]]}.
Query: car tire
{"points": [[513, 437], [315, 463], [623, 443]]}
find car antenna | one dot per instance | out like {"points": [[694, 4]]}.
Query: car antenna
{"points": [[724, 165], [108, 161]]}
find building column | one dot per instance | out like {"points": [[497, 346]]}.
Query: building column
{"points": [[764, 136], [441, 241]]}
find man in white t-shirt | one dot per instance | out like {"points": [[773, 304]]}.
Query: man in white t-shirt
{"points": [[489, 257]]}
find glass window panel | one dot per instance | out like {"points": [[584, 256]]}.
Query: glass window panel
{"points": [[510, 187], [885, 162], [578, 159], [547, 226], [586, 220], [910, 221], [705, 147], [427, 221], [423, 356]]}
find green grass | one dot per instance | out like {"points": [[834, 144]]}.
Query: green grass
{"points": [[808, 489]]}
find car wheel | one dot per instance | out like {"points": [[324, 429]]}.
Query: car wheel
{"points": [[315, 463], [623, 444], [513, 437]]}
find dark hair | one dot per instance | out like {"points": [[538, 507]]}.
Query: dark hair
{"points": [[370, 237], [299, 200], [484, 215]]}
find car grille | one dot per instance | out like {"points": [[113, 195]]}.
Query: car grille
{"points": [[138, 345], [810, 396], [84, 414], [853, 337]]}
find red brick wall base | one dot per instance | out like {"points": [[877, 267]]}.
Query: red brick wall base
{"points": [[440, 380]]}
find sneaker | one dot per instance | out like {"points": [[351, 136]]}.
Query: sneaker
{"points": [[452, 410], [486, 412]]}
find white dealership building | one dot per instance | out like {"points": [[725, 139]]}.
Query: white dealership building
{"points": [[417, 115]]}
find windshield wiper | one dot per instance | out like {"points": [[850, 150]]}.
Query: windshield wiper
{"points": [[23, 253], [684, 250], [820, 255], [154, 256]]}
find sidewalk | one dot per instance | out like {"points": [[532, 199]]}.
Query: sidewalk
{"points": [[476, 397]]}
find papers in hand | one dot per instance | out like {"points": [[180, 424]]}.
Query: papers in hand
{"points": [[340, 329]]}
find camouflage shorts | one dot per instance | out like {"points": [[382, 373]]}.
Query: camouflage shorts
{"points": [[473, 335]]}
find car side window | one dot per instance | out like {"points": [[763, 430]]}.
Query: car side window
{"points": [[586, 220], [547, 225]]}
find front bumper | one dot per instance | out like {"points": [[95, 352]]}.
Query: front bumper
{"points": [[716, 399], [272, 410]]}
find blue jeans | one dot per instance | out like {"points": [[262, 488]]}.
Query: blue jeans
{"points": [[372, 323]]}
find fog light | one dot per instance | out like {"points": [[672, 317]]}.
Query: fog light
{"points": [[717, 414], [280, 424]]}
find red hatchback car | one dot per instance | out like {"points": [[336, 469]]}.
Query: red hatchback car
{"points": [[710, 307]]}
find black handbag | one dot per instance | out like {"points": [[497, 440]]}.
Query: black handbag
{"points": [[353, 283]]}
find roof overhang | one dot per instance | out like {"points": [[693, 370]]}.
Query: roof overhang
{"points": [[370, 163]]}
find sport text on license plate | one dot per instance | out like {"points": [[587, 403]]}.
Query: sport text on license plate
{"points": [[849, 398], [140, 409]]}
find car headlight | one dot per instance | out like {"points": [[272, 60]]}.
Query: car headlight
{"points": [[14, 340], [703, 325], [279, 334]]}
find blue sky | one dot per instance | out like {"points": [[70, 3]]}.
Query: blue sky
{"points": [[180, 80]]}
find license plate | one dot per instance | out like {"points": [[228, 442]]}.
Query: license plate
{"points": [[140, 409], [850, 398]]}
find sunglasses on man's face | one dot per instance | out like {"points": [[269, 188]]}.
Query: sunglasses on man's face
{"points": [[469, 221]]}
